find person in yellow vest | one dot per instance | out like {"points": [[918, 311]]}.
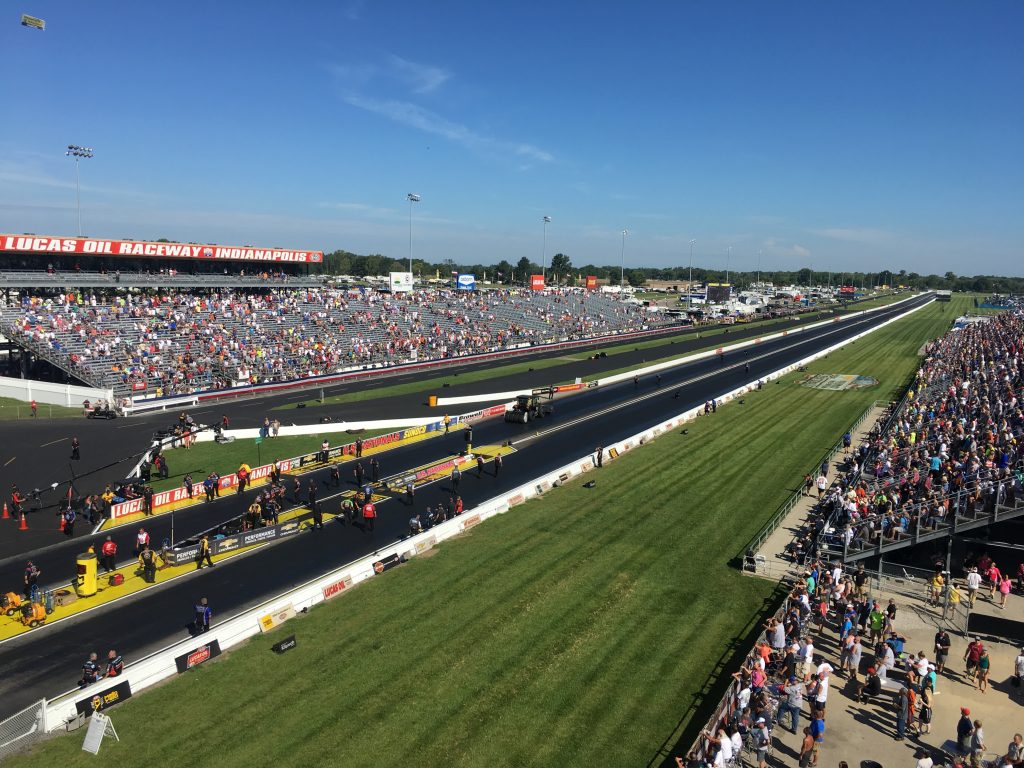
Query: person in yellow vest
{"points": [[203, 553], [447, 422]]}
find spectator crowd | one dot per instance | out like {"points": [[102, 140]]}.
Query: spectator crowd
{"points": [[180, 342]]}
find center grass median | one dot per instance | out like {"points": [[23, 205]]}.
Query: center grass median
{"points": [[575, 630], [224, 458]]}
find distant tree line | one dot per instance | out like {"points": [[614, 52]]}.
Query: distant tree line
{"points": [[562, 271]]}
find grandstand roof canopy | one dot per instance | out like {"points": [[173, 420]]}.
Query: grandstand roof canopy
{"points": [[56, 246]]}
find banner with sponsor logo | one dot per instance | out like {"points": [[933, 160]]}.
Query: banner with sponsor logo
{"points": [[104, 699], [466, 282], [591, 282], [93, 247], [401, 282], [336, 588], [268, 621], [197, 656], [537, 282]]}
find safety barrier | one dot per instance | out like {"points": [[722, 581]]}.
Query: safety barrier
{"points": [[169, 661]]}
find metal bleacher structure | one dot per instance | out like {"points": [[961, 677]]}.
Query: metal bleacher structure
{"points": [[274, 331], [991, 498]]}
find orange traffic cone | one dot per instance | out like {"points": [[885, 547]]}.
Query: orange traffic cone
{"points": [[62, 523], [7, 514], [23, 526]]}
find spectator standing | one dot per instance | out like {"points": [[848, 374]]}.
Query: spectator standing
{"points": [[964, 731], [794, 701], [973, 585], [977, 745]]}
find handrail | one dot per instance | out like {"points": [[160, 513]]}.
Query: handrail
{"points": [[776, 520]]}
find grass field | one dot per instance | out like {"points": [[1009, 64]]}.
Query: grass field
{"points": [[203, 458], [585, 628], [11, 409]]}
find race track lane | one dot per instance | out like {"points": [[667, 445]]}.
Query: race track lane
{"points": [[47, 661]]}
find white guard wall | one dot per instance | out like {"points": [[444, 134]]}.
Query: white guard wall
{"points": [[50, 393]]}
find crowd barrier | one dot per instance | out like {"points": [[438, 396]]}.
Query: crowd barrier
{"points": [[177, 658]]}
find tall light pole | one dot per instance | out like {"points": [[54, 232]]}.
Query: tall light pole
{"points": [[728, 255], [622, 262], [689, 288], [759, 269], [412, 199], [78, 153], [544, 251]]}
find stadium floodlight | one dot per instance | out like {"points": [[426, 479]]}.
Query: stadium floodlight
{"points": [[78, 153], [622, 262], [689, 288], [728, 255], [544, 249], [412, 198]]}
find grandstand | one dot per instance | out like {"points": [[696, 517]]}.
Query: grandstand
{"points": [[157, 331]]}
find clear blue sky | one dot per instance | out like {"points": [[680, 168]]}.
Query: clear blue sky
{"points": [[834, 135]]}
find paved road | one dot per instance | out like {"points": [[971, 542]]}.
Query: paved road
{"points": [[47, 661]]}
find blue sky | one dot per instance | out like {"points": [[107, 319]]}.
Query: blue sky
{"points": [[834, 135]]}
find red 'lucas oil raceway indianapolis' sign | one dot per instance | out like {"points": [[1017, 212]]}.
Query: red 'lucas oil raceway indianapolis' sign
{"points": [[93, 247]]}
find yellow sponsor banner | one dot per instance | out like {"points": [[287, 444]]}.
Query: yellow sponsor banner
{"points": [[277, 618]]}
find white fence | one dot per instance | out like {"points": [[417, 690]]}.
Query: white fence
{"points": [[161, 664], [50, 393]]}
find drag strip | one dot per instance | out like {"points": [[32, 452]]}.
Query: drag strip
{"points": [[48, 663]]}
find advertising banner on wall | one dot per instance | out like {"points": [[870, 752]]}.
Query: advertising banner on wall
{"points": [[93, 247], [466, 283], [537, 282], [197, 656], [104, 699], [591, 282], [401, 282]]}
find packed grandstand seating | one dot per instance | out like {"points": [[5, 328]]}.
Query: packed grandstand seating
{"points": [[953, 448], [177, 342]]}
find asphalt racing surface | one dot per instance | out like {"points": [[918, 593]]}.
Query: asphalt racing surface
{"points": [[36, 454], [46, 661]]}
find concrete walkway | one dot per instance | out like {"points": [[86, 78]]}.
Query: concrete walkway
{"points": [[777, 564], [861, 732]]}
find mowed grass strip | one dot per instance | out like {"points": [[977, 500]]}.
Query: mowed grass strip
{"points": [[203, 458], [574, 630]]}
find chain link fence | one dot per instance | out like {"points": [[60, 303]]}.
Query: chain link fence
{"points": [[20, 731]]}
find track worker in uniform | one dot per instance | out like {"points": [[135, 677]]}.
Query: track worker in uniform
{"points": [[203, 614], [369, 516], [109, 553], [203, 553]]}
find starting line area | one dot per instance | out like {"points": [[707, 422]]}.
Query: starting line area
{"points": [[67, 604], [198, 497]]}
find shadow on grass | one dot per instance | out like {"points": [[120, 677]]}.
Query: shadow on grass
{"points": [[704, 703]]}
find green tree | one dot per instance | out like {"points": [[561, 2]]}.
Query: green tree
{"points": [[636, 278], [560, 265]]}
